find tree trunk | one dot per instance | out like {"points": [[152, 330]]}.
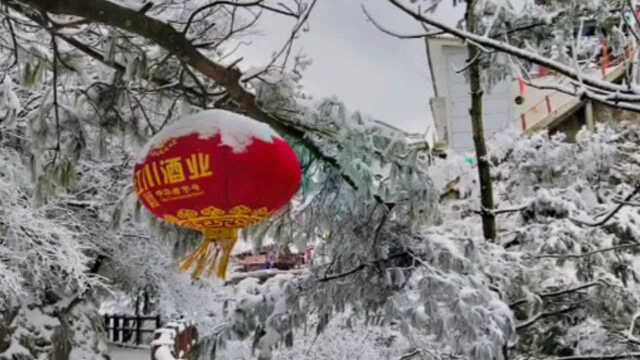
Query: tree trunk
{"points": [[484, 171]]}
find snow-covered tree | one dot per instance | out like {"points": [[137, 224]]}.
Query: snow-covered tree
{"points": [[86, 83], [516, 34]]}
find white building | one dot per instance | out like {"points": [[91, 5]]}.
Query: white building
{"points": [[539, 109], [450, 106]]}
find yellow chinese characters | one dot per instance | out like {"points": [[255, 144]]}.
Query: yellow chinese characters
{"points": [[151, 200], [199, 166], [172, 171], [165, 148]]}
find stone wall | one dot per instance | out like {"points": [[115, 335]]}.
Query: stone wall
{"points": [[601, 113], [604, 113]]}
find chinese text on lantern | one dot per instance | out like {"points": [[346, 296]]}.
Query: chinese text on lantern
{"points": [[155, 177]]}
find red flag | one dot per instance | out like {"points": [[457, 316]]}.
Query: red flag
{"points": [[523, 86]]}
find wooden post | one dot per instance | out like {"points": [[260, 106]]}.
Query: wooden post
{"points": [[138, 330], [116, 328], [588, 109], [121, 326], [129, 329], [179, 341], [547, 99], [523, 120], [145, 302], [106, 324], [138, 304]]}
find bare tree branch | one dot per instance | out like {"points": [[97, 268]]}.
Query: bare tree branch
{"points": [[287, 46], [587, 254], [395, 34], [279, 11], [212, 5]]}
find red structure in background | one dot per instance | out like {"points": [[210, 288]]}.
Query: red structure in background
{"points": [[272, 257], [180, 337]]}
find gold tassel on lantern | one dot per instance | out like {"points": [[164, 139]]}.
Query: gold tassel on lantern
{"points": [[214, 251]]}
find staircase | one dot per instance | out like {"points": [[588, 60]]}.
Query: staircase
{"points": [[557, 106]]}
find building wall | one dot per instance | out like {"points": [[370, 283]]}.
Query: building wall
{"points": [[605, 113], [571, 126], [601, 114], [535, 107], [451, 105]]}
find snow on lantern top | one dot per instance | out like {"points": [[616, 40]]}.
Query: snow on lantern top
{"points": [[236, 131]]}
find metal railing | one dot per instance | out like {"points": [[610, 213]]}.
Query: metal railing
{"points": [[555, 100], [129, 329]]}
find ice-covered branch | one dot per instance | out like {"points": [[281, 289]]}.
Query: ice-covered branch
{"points": [[629, 355], [389, 32], [286, 48], [544, 315], [557, 293], [587, 254], [612, 213], [363, 266], [621, 101], [626, 203], [503, 47], [124, 18], [500, 211]]}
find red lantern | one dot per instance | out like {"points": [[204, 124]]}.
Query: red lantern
{"points": [[216, 172]]}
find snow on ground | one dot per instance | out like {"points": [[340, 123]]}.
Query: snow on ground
{"points": [[121, 353]]}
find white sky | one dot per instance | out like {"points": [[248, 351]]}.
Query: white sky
{"points": [[370, 71]]}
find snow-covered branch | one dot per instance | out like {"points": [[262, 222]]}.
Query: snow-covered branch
{"points": [[544, 315], [556, 293], [587, 254], [629, 355], [176, 43], [504, 47], [613, 212]]}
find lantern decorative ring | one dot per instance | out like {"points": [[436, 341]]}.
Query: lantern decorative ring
{"points": [[216, 172]]}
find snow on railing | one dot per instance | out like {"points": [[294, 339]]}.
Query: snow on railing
{"points": [[556, 103], [174, 341], [130, 329]]}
